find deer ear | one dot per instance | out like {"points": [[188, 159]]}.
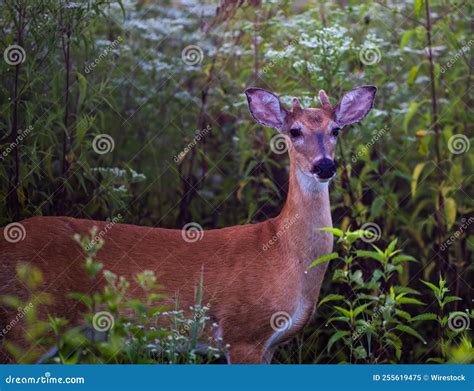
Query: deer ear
{"points": [[266, 108], [355, 105]]}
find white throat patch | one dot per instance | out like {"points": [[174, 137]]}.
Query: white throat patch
{"points": [[309, 184]]}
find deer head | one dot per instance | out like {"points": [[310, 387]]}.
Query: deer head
{"points": [[312, 132]]}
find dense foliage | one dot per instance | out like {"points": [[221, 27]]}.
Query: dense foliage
{"points": [[136, 108]]}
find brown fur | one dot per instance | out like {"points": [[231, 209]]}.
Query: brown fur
{"points": [[244, 284]]}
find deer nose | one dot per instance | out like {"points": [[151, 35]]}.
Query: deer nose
{"points": [[324, 168]]}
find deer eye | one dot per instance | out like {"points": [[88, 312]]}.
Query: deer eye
{"points": [[335, 132], [295, 132]]}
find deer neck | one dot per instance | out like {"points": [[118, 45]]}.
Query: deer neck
{"points": [[307, 208]]}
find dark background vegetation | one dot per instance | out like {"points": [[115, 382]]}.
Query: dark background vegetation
{"points": [[407, 168]]}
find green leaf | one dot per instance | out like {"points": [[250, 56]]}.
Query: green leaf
{"points": [[414, 180], [330, 298], [343, 311], [371, 254], [82, 88], [405, 38], [336, 337], [391, 246], [450, 211], [433, 287], [418, 7], [403, 314], [427, 316], [409, 300], [412, 75], [403, 258], [324, 258], [335, 231], [360, 308], [412, 109], [450, 299], [408, 330]]}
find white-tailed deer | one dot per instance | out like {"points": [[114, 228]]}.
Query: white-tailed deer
{"points": [[256, 276]]}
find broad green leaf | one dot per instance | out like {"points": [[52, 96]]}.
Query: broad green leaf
{"points": [[418, 7], [416, 174], [336, 337], [371, 254], [331, 298], [343, 311], [412, 109], [324, 258], [411, 331], [405, 38], [450, 211], [427, 316], [403, 258], [409, 300], [335, 231]]}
